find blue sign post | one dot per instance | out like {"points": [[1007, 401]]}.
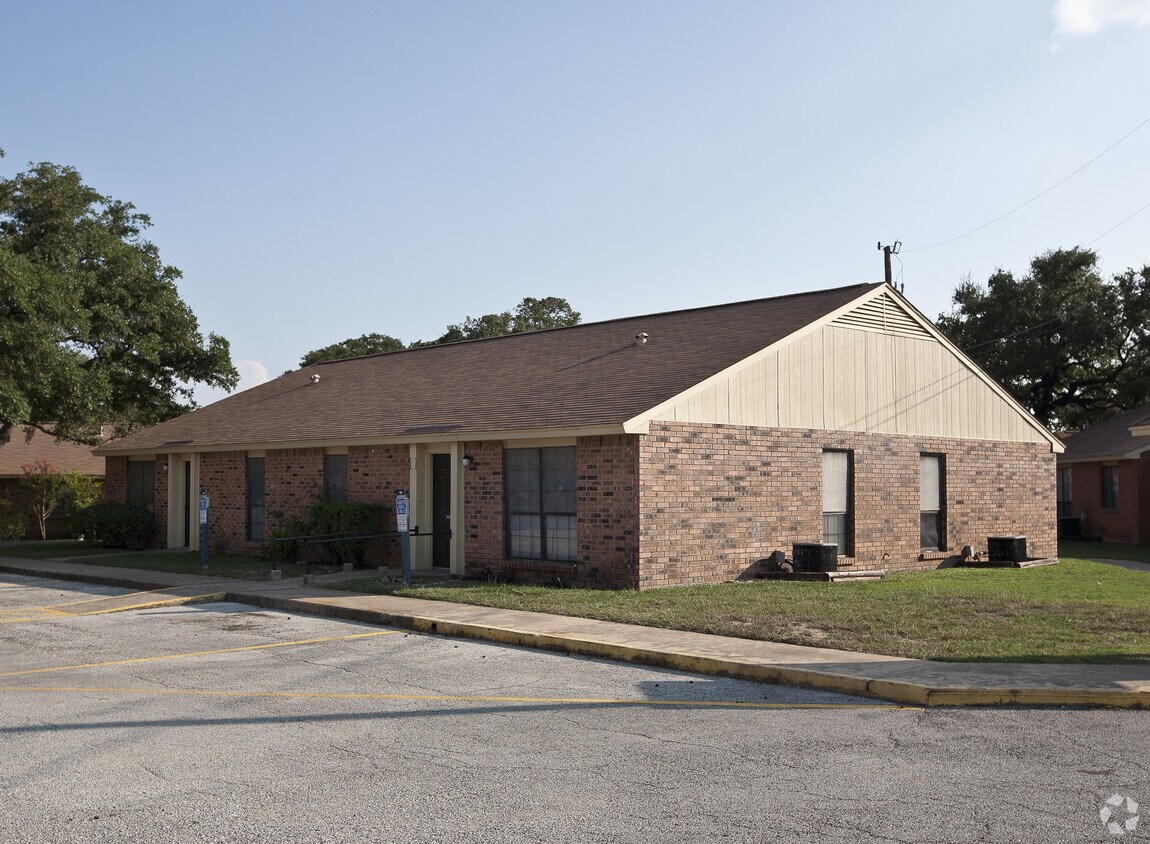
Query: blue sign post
{"points": [[203, 530], [404, 536]]}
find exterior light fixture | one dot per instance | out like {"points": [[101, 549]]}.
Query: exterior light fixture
{"points": [[467, 461]]}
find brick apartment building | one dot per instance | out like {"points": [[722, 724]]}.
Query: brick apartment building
{"points": [[1104, 480], [658, 450], [27, 446]]}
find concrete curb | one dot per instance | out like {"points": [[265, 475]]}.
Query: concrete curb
{"points": [[865, 681], [895, 691], [124, 582]]}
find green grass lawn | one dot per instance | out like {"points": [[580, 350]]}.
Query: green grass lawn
{"points": [[1077, 611], [185, 562], [1103, 550]]}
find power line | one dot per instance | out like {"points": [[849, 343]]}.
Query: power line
{"points": [[1039, 196], [1021, 332], [1124, 222]]}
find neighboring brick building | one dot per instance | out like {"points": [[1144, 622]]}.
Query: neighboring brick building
{"points": [[657, 450], [1104, 480], [25, 447]]}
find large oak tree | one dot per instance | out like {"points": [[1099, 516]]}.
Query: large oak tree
{"points": [[530, 314], [355, 347], [1071, 346], [92, 327]]}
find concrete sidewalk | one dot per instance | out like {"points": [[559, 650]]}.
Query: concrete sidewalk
{"points": [[909, 681]]}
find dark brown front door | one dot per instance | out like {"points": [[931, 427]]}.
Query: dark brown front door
{"points": [[441, 509]]}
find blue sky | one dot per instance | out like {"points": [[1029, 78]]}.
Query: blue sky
{"points": [[321, 171]]}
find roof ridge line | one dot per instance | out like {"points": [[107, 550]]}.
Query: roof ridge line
{"points": [[455, 343]]}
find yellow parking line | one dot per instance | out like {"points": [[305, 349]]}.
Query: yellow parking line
{"points": [[95, 598], [52, 612], [173, 599], [199, 653], [712, 704], [22, 615]]}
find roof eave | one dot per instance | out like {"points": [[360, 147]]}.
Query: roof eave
{"points": [[1132, 454], [401, 439]]}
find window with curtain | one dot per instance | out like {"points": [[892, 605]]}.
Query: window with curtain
{"points": [[1110, 487], [256, 498], [837, 500], [1065, 494], [932, 502], [539, 484], [142, 483], [335, 477]]}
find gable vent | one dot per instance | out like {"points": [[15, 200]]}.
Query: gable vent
{"points": [[882, 314]]}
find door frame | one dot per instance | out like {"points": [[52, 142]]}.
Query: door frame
{"points": [[183, 470], [422, 481]]}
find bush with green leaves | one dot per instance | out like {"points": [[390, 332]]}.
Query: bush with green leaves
{"points": [[115, 525], [83, 490], [330, 518], [42, 489], [13, 520]]}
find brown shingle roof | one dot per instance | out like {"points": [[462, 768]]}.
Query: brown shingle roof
{"points": [[65, 456], [1110, 439], [587, 375]]}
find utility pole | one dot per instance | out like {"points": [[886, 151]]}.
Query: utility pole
{"points": [[887, 251]]}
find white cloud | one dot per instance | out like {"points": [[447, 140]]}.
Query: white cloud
{"points": [[252, 374], [1075, 18]]}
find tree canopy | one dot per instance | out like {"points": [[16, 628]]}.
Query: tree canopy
{"points": [[92, 327], [1071, 346], [368, 344], [529, 315]]}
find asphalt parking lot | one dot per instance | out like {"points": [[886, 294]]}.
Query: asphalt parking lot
{"points": [[218, 722]]}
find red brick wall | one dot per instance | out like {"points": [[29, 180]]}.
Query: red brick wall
{"points": [[1143, 510], [116, 489], [483, 511], [224, 477], [1130, 521], [607, 516], [115, 479], [293, 481], [1125, 523], [684, 504], [374, 473], [718, 498], [1086, 495], [608, 510]]}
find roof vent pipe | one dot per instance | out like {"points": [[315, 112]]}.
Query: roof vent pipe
{"points": [[315, 379], [641, 338]]}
